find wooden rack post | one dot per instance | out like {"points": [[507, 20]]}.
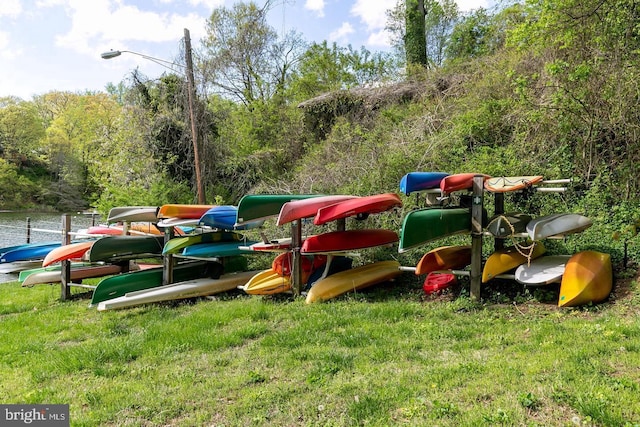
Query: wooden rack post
{"points": [[296, 257], [476, 236], [28, 230], [498, 210], [65, 271]]}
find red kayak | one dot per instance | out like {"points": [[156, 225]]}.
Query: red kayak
{"points": [[438, 281], [342, 241], [307, 208], [459, 182], [361, 206]]}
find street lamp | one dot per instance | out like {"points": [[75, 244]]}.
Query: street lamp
{"points": [[191, 92]]}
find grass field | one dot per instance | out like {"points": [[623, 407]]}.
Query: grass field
{"points": [[385, 356]]}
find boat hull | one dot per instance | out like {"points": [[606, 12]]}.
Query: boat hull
{"points": [[177, 244], [215, 250], [348, 240], [120, 248], [557, 225], [424, 225], [133, 214], [224, 218], [181, 290], [459, 182], [306, 208], [77, 273], [420, 181], [352, 280], [505, 184], [507, 224], [183, 211], [587, 279], [253, 207], [121, 284], [267, 282], [358, 207], [507, 259], [542, 271], [444, 258], [67, 252], [30, 252]]}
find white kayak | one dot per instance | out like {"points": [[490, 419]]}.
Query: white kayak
{"points": [[542, 271], [557, 225]]}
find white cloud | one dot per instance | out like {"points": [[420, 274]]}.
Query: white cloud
{"points": [[107, 23], [316, 6], [379, 39], [372, 13], [341, 33], [210, 4], [11, 8], [467, 5]]}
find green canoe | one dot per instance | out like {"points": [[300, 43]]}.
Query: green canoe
{"points": [[120, 248], [175, 245], [424, 225], [254, 207], [117, 286]]}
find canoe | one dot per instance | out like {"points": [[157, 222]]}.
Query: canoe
{"points": [[587, 279], [253, 207], [435, 282], [459, 182], [306, 208], [116, 248], [508, 224], [507, 259], [181, 290], [77, 273], [542, 271], [267, 282], [133, 214], [121, 284], [18, 266], [216, 249], [136, 229], [183, 211], [359, 207], [177, 244], [30, 252], [348, 240], [424, 225], [67, 252], [224, 218], [504, 184], [39, 269], [352, 280], [557, 225], [420, 181], [444, 258]]}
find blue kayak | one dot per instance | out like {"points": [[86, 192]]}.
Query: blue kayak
{"points": [[224, 217], [29, 252], [420, 181]]}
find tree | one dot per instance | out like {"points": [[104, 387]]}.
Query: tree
{"points": [[21, 130], [414, 38], [242, 57]]}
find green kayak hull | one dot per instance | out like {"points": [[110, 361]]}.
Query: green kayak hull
{"points": [[117, 286], [424, 225], [120, 248], [254, 207]]}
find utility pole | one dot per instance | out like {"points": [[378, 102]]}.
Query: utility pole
{"points": [[194, 131]]}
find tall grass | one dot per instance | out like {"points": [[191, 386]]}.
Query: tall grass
{"points": [[385, 356]]}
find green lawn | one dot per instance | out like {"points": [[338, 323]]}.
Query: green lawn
{"points": [[386, 356]]}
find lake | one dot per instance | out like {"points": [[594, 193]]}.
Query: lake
{"points": [[45, 227]]}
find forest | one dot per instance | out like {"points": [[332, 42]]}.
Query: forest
{"points": [[547, 87]]}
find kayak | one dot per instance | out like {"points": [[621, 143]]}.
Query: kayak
{"points": [[421, 181], [504, 184], [360, 207], [425, 225], [177, 244], [509, 258], [348, 240], [116, 248], [224, 218], [587, 279], [67, 252], [444, 258], [306, 208], [253, 207], [133, 214]]}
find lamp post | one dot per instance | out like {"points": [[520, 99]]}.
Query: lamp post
{"points": [[191, 97]]}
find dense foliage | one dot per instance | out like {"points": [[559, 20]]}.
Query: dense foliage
{"points": [[543, 86]]}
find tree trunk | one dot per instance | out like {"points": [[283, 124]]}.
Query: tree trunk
{"points": [[415, 42]]}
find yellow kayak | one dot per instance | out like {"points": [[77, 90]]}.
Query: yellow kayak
{"points": [[267, 282], [587, 278], [352, 280], [507, 259]]}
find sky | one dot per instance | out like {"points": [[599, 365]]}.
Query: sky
{"points": [[55, 45]]}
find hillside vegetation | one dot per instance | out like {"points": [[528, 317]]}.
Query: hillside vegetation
{"points": [[540, 87]]}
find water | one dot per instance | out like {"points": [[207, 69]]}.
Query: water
{"points": [[45, 227]]}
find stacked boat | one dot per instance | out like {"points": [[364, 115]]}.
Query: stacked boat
{"points": [[584, 277]]}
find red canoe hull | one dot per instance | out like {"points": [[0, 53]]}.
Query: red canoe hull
{"points": [[341, 241], [376, 203]]}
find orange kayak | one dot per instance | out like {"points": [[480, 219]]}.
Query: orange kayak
{"points": [[67, 252], [587, 279], [444, 258], [183, 211]]}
